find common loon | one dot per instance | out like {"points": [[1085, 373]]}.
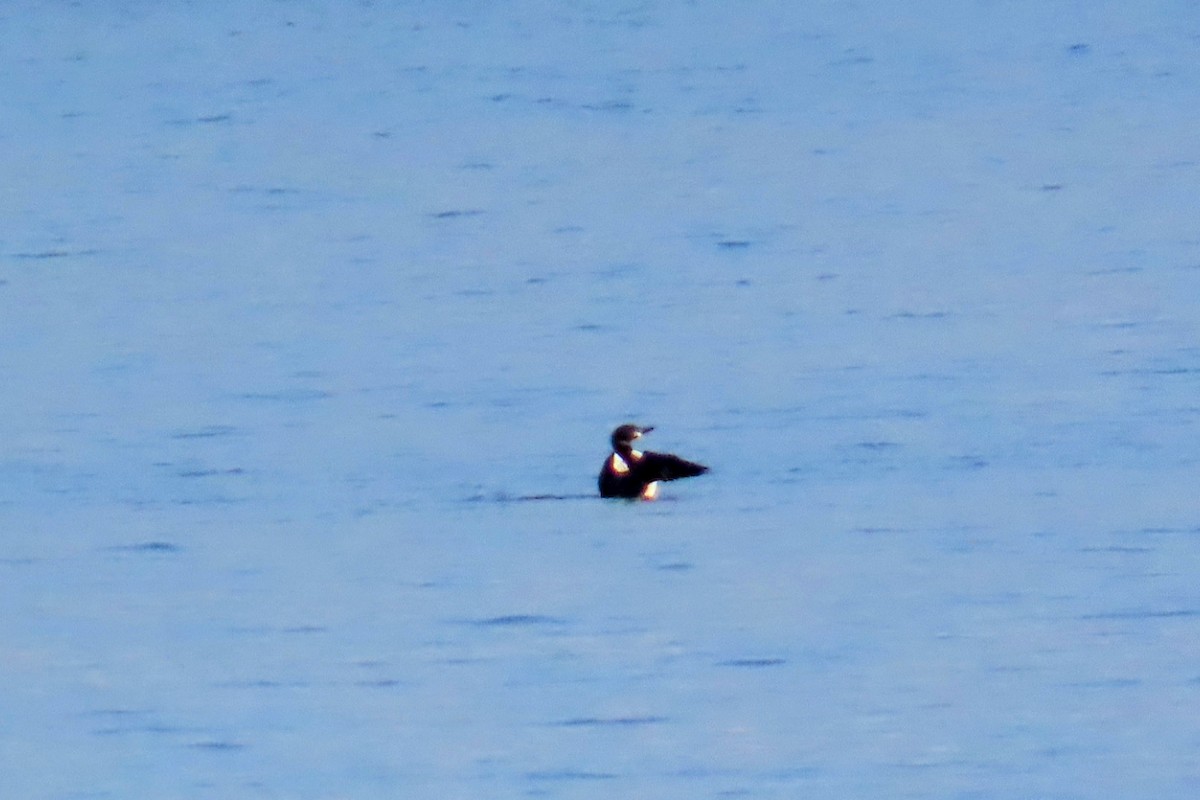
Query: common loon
{"points": [[633, 474]]}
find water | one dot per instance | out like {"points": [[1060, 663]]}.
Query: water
{"points": [[298, 302]]}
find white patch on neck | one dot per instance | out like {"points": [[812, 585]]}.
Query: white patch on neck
{"points": [[621, 466], [651, 491]]}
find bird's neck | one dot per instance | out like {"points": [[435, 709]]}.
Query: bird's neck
{"points": [[627, 452]]}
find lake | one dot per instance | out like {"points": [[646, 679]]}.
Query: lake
{"points": [[315, 320]]}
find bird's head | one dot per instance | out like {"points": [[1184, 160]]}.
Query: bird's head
{"points": [[624, 436]]}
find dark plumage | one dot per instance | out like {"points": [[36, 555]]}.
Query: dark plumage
{"points": [[631, 474]]}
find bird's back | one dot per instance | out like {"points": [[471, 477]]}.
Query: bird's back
{"points": [[667, 467], [629, 477]]}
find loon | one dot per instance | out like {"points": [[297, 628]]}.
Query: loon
{"points": [[633, 474]]}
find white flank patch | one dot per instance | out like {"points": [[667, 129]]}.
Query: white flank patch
{"points": [[651, 491]]}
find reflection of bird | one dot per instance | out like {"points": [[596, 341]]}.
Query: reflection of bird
{"points": [[633, 474]]}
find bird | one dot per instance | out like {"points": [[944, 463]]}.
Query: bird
{"points": [[634, 475]]}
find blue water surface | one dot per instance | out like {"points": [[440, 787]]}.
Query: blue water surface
{"points": [[315, 318]]}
